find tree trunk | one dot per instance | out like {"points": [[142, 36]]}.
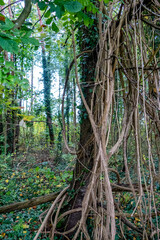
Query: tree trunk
{"points": [[10, 132], [85, 156], [1, 134], [47, 99]]}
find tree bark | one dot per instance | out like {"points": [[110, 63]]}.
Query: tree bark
{"points": [[1, 133], [85, 156], [47, 99], [28, 203]]}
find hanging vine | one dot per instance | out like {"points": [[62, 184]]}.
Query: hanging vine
{"points": [[124, 53]]}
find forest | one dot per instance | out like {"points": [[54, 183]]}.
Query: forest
{"points": [[80, 119]]}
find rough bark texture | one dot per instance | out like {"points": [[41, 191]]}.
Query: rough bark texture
{"points": [[28, 203], [85, 156]]}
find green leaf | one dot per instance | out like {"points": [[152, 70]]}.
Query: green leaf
{"points": [[41, 5], [14, 46], [9, 64], [1, 59], [86, 20], [2, 3], [9, 45], [0, 75], [10, 77], [32, 41], [47, 14], [15, 108], [52, 7], [28, 23], [8, 24], [28, 34], [106, 1], [48, 46], [55, 28], [49, 20], [73, 6], [5, 35], [59, 11]]}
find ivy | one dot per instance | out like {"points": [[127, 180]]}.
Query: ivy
{"points": [[55, 28]]}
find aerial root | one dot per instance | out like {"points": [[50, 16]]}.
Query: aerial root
{"points": [[89, 210], [50, 212]]}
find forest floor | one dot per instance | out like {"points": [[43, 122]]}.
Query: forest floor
{"points": [[27, 175], [36, 172]]}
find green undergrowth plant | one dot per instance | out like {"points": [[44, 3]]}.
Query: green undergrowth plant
{"points": [[22, 183]]}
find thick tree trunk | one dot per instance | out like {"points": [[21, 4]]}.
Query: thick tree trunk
{"points": [[85, 156]]}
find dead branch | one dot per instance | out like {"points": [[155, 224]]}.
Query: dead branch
{"points": [[28, 203]]}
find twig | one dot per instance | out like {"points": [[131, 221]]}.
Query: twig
{"points": [[10, 5]]}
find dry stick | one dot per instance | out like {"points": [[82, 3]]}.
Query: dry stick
{"points": [[67, 232], [115, 147], [100, 22], [151, 24], [109, 197], [136, 119], [62, 234], [122, 232], [126, 221], [55, 219], [117, 174], [68, 212], [149, 10], [148, 141], [121, 136], [104, 157], [104, 122], [87, 196], [49, 213], [125, 157]]}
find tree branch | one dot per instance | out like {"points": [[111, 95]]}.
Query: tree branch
{"points": [[28, 203], [24, 14], [151, 24], [10, 5]]}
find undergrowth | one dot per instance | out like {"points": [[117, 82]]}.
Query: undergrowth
{"points": [[24, 181]]}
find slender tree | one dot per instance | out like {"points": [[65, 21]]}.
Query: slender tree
{"points": [[47, 87]]}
